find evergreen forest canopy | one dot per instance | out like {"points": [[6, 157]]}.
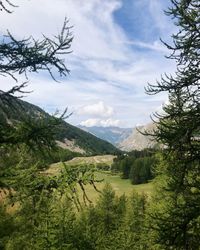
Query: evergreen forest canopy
{"points": [[44, 212], [138, 166]]}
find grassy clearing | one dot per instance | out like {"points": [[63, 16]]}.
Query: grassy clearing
{"points": [[119, 185], [108, 159], [56, 167], [122, 186]]}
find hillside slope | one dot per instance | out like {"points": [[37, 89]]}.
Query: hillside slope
{"points": [[65, 134]]}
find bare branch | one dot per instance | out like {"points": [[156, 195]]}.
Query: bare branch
{"points": [[4, 8]]}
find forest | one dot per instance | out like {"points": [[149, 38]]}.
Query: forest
{"points": [[43, 211], [138, 166]]}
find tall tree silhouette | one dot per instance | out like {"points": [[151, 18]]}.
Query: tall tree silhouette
{"points": [[177, 216]]}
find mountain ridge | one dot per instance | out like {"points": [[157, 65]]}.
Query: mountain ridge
{"points": [[14, 110]]}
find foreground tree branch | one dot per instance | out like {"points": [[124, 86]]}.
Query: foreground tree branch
{"points": [[5, 6], [30, 55]]}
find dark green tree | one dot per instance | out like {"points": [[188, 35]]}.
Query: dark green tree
{"points": [[176, 217], [141, 170], [135, 222], [98, 226], [21, 143], [126, 166]]}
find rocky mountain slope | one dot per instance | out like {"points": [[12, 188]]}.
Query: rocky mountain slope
{"points": [[138, 141]]}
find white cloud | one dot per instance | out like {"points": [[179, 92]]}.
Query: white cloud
{"points": [[110, 122], [102, 67], [103, 123], [98, 109], [90, 122], [95, 33], [156, 45]]}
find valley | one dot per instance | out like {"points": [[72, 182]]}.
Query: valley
{"points": [[110, 157], [119, 185]]}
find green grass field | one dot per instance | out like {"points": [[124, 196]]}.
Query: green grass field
{"points": [[119, 185]]}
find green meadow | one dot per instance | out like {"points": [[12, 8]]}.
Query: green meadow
{"points": [[119, 185]]}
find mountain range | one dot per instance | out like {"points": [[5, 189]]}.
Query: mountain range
{"points": [[125, 139], [114, 135], [88, 140]]}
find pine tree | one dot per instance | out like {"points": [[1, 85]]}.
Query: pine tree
{"points": [[135, 222], [176, 217], [21, 57]]}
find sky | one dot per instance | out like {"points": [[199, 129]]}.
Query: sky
{"points": [[116, 52]]}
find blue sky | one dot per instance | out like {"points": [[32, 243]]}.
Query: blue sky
{"points": [[116, 51]]}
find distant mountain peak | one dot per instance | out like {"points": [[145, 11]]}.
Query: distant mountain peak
{"points": [[126, 139], [111, 134]]}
